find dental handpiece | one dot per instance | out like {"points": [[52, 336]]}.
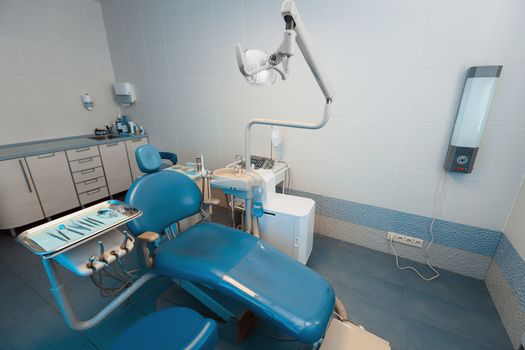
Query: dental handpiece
{"points": [[124, 244], [101, 251]]}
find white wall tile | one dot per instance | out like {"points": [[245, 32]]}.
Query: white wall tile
{"points": [[370, 184], [500, 156], [394, 40], [479, 203], [374, 143], [333, 141], [157, 64], [436, 96], [326, 175], [424, 147], [508, 108], [509, 28], [379, 96], [72, 7], [228, 18], [414, 192], [43, 61], [53, 56], [153, 29], [300, 167], [175, 28], [10, 59], [199, 20], [32, 23], [453, 42]]}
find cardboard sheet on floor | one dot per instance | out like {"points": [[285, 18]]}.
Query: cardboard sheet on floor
{"points": [[347, 336]]}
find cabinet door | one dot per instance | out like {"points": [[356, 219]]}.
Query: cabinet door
{"points": [[131, 146], [53, 182], [18, 199], [116, 166]]}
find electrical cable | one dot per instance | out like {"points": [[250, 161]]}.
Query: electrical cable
{"points": [[439, 198]]}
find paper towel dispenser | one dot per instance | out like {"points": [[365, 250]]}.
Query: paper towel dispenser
{"points": [[125, 94]]}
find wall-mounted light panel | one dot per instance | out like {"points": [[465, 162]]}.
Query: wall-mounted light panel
{"points": [[471, 118]]}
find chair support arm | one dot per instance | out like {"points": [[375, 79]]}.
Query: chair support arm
{"points": [[144, 239]]}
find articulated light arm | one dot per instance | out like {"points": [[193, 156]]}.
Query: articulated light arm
{"points": [[259, 68], [295, 28]]}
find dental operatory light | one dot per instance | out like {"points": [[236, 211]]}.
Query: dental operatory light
{"points": [[260, 68], [471, 118]]}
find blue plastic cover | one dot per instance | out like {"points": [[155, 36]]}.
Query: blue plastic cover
{"points": [[148, 158], [164, 198], [173, 328], [269, 283]]}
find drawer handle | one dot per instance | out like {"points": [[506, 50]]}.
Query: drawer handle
{"points": [[86, 160], [92, 181], [25, 175], [82, 149], [112, 144], [46, 156], [89, 193], [136, 140], [83, 172]]}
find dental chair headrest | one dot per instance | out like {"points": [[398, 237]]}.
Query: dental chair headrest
{"points": [[148, 159]]}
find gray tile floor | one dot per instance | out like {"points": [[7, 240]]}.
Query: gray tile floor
{"points": [[453, 312]]}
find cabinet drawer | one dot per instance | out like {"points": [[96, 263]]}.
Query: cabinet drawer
{"points": [[90, 184], [79, 153], [88, 174], [93, 195], [85, 163]]}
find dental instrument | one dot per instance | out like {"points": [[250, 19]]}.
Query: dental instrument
{"points": [[87, 223], [94, 222], [57, 237], [75, 231], [260, 68], [59, 230], [78, 226]]}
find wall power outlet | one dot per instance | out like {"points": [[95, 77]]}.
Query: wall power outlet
{"points": [[408, 240]]}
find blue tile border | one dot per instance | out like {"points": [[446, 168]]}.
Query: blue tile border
{"points": [[512, 267], [472, 239]]}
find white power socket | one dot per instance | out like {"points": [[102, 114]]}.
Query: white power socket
{"points": [[408, 240]]}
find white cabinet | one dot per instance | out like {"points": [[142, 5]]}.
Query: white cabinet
{"points": [[53, 182], [116, 166], [19, 203], [131, 146]]}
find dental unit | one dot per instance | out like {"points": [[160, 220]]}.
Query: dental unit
{"points": [[235, 274]]}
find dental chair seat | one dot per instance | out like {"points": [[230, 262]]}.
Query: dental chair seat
{"points": [[269, 283], [266, 281], [172, 328]]}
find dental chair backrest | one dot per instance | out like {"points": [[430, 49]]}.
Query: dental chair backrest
{"points": [[164, 197]]}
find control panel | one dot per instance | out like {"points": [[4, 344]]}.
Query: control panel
{"points": [[460, 159]]}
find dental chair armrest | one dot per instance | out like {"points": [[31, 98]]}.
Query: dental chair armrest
{"points": [[144, 239]]}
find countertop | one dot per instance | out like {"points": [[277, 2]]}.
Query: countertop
{"points": [[33, 148]]}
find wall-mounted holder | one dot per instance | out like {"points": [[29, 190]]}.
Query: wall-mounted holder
{"points": [[87, 101], [125, 94], [476, 99]]}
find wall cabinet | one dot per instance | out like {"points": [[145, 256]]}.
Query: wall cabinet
{"points": [[131, 146], [53, 182], [116, 166], [19, 203]]}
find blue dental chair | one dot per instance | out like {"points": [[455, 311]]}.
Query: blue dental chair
{"points": [[273, 286]]}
